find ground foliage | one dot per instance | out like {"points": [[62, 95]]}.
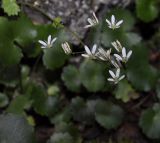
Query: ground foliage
{"points": [[47, 96]]}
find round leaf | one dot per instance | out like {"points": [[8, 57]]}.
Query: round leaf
{"points": [[140, 73], [71, 78], [146, 10], [61, 138], [54, 57], [108, 115], [92, 75], [149, 122]]}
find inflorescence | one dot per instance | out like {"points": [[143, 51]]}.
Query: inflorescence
{"points": [[115, 59]]}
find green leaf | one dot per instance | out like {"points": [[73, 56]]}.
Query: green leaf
{"points": [[92, 75], [9, 76], [149, 122], [142, 76], [125, 92], [42, 104], [3, 100], [85, 110], [62, 117], [10, 7], [27, 41], [131, 39], [54, 57], [68, 128], [57, 22], [10, 54], [108, 115], [61, 138], [18, 104], [15, 129], [71, 78], [146, 10]]}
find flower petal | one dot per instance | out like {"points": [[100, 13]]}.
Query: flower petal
{"points": [[95, 17], [129, 54], [49, 39], [112, 74], [118, 57], [119, 22], [87, 26], [109, 23], [85, 55], [53, 40], [122, 77], [42, 42], [124, 52], [110, 79], [87, 50], [94, 49], [113, 20], [90, 21], [118, 72], [114, 64]]}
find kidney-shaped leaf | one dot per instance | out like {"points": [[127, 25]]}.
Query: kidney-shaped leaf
{"points": [[92, 75], [71, 78], [108, 115], [150, 122]]}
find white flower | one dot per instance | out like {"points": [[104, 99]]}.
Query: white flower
{"points": [[115, 77], [48, 43], [104, 55], [113, 24], [92, 21], [90, 53], [125, 56], [66, 48], [117, 45]]}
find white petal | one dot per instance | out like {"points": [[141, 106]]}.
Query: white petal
{"points": [[42, 42], [90, 21], [122, 77], [113, 44], [87, 50], [94, 49], [129, 54], [109, 23], [112, 74], [114, 64], [118, 57], [110, 79], [53, 40], [113, 20], [49, 39], [117, 72], [85, 55], [124, 52], [119, 22], [88, 26], [95, 17]]}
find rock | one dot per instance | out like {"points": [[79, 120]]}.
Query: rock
{"points": [[74, 13]]}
